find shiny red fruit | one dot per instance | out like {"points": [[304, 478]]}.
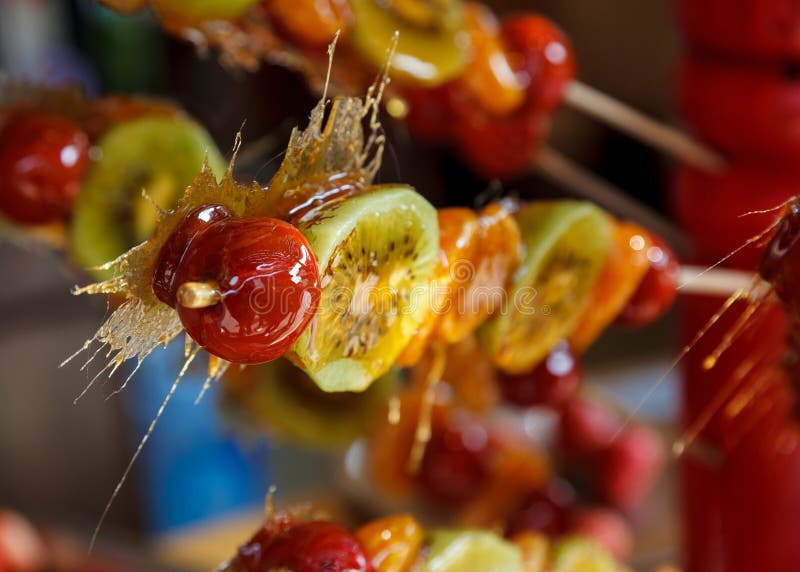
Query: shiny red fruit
{"points": [[748, 112], [781, 263], [554, 382], [750, 29], [453, 468], [315, 546], [657, 290], [544, 511], [176, 246], [268, 288], [430, 117], [42, 160], [500, 147], [629, 469], [587, 428], [251, 556], [545, 57], [607, 526]]}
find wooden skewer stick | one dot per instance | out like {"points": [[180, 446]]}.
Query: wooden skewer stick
{"points": [[664, 137], [198, 294], [721, 282], [564, 171]]}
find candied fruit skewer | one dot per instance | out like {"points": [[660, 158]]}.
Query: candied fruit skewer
{"points": [[61, 165], [282, 32], [296, 540]]}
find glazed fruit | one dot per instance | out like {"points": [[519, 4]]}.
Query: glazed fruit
{"points": [[587, 428], [489, 77], [747, 112], [43, 158], [283, 399], [430, 48], [470, 551], [178, 244], [566, 244], [453, 468], [732, 196], [159, 154], [607, 526], [203, 9], [247, 288], [376, 254], [392, 544], [756, 29], [251, 556], [579, 554], [553, 382], [545, 511], [658, 288], [546, 58], [625, 268], [312, 23], [629, 469], [313, 546]]}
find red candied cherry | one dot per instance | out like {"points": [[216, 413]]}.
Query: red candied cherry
{"points": [[546, 58], [607, 526], [42, 159], [629, 468], [248, 287], [544, 511], [251, 556], [658, 288], [554, 382], [427, 113], [453, 468], [587, 428], [314, 546], [176, 246]]}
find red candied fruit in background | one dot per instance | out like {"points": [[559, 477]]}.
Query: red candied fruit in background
{"points": [[454, 467], [554, 382], [657, 290], [546, 511], [43, 158], [314, 546]]}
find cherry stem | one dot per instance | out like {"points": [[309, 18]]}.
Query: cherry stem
{"points": [[659, 135], [198, 294]]}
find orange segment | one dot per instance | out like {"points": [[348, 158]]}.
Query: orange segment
{"points": [[478, 287], [458, 231], [625, 268], [392, 544], [489, 77], [312, 22]]}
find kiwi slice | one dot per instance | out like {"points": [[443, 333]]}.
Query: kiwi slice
{"points": [[159, 154], [376, 254], [432, 47], [471, 551], [579, 554], [279, 396], [566, 244]]}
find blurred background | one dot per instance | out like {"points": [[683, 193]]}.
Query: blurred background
{"points": [[59, 461]]}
